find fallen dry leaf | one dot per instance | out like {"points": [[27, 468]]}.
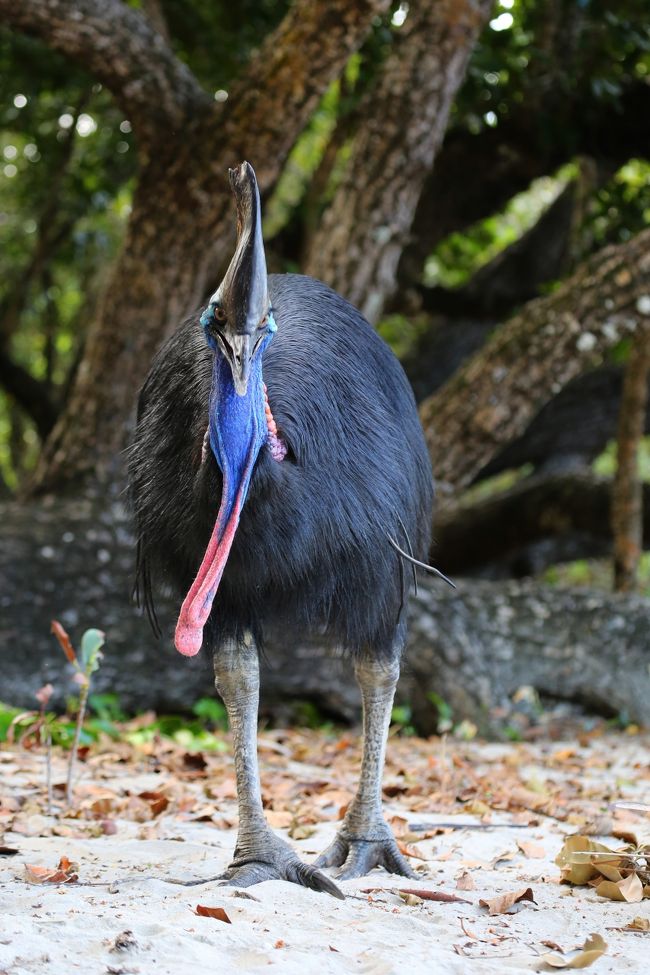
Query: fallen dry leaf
{"points": [[411, 900], [65, 873], [593, 948], [217, 913], [408, 850], [534, 851], [434, 895], [630, 889], [157, 801], [503, 903], [64, 640], [465, 881], [574, 860], [638, 924]]}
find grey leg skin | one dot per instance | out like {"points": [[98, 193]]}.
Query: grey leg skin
{"points": [[365, 839], [259, 853]]}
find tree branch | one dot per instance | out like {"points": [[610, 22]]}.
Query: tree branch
{"points": [[542, 520], [119, 47], [358, 244], [492, 399], [32, 395], [270, 104]]}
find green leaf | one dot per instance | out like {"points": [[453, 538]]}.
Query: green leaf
{"points": [[211, 711], [91, 643]]}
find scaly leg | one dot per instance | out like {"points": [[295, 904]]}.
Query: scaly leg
{"points": [[259, 853], [365, 839]]}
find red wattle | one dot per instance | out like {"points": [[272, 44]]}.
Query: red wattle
{"points": [[197, 605]]}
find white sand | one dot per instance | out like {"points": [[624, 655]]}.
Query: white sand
{"points": [[57, 930]]}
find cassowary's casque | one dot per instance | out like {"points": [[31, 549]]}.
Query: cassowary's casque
{"points": [[279, 436]]}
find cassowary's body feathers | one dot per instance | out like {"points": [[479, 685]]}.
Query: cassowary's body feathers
{"points": [[311, 551]]}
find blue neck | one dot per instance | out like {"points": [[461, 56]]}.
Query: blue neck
{"points": [[238, 428]]}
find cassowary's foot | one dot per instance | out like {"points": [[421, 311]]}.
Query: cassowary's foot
{"points": [[270, 858], [356, 856]]}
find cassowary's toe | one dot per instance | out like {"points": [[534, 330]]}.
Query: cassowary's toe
{"points": [[357, 857], [280, 865]]}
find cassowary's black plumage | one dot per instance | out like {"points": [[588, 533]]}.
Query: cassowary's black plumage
{"points": [[312, 547], [300, 532]]}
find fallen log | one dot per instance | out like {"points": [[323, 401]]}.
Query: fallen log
{"points": [[73, 560]]}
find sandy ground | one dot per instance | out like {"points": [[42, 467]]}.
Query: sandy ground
{"points": [[122, 888]]}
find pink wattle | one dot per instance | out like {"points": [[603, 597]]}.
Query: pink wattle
{"points": [[197, 605]]}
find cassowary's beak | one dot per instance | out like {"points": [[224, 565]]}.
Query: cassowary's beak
{"points": [[237, 311], [238, 324]]}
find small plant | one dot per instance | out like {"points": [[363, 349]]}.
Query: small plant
{"points": [[91, 645], [39, 731]]}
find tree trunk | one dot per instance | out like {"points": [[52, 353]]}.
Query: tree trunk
{"points": [[627, 494], [365, 228], [181, 227], [527, 361]]}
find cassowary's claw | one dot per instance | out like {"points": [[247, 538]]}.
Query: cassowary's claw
{"points": [[294, 870], [357, 857], [275, 860]]}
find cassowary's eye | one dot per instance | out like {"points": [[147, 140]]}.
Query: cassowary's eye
{"points": [[219, 314]]}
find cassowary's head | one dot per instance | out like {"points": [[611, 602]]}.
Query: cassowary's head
{"points": [[238, 324], [239, 318]]}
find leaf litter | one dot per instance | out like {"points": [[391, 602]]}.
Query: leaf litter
{"points": [[482, 824]]}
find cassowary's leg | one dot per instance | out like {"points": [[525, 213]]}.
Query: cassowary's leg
{"points": [[365, 840], [259, 853]]}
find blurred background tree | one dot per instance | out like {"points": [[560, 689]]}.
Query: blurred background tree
{"points": [[443, 164]]}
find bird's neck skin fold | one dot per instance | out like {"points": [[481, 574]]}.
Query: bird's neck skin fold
{"points": [[237, 431]]}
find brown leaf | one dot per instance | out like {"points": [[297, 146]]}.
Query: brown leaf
{"points": [[434, 895], [638, 924], [411, 900], [216, 912], [574, 859], [65, 873], [503, 903], [409, 851], [156, 800], [534, 851], [593, 948], [300, 831], [279, 818], [465, 881], [64, 641], [630, 889]]}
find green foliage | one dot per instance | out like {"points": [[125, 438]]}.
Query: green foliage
{"points": [[594, 574], [107, 718], [68, 161], [620, 209], [401, 719], [211, 712], [91, 643], [443, 709], [461, 255], [605, 464]]}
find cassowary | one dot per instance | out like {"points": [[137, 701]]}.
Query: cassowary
{"points": [[279, 479]]}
